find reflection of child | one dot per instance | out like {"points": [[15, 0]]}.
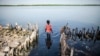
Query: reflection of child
{"points": [[48, 29], [48, 42]]}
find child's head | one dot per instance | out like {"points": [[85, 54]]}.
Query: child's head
{"points": [[48, 21]]}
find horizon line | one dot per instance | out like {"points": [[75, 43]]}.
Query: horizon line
{"points": [[49, 4]]}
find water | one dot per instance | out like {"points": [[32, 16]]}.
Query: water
{"points": [[43, 50], [76, 16], [38, 14]]}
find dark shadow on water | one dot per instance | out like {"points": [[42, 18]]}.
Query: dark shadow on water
{"points": [[48, 42]]}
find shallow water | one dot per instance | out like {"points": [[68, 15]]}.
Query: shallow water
{"points": [[76, 16], [42, 49], [82, 47]]}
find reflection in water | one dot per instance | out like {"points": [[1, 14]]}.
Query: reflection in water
{"points": [[48, 42]]}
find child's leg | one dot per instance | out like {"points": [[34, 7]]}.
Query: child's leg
{"points": [[48, 35]]}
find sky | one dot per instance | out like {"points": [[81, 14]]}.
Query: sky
{"points": [[49, 1]]}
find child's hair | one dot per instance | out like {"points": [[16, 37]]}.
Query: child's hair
{"points": [[48, 21]]}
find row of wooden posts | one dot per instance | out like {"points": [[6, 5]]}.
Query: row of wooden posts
{"points": [[66, 33], [82, 33], [16, 48]]}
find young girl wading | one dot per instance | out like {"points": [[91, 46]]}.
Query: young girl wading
{"points": [[48, 29]]}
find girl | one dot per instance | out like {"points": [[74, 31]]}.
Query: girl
{"points": [[48, 29]]}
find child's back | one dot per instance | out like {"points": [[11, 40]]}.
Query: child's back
{"points": [[48, 27]]}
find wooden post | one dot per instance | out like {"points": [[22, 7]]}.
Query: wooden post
{"points": [[6, 50], [72, 52], [64, 45]]}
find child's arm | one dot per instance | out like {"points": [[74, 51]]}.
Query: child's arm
{"points": [[45, 28], [51, 30]]}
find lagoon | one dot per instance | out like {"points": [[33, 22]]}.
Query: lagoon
{"points": [[76, 16]]}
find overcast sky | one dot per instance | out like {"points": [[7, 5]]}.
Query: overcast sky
{"points": [[49, 1]]}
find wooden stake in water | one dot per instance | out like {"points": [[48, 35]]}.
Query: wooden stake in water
{"points": [[72, 52]]}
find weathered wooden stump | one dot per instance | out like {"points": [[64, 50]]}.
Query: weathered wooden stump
{"points": [[65, 50], [6, 50], [13, 46], [2, 54]]}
